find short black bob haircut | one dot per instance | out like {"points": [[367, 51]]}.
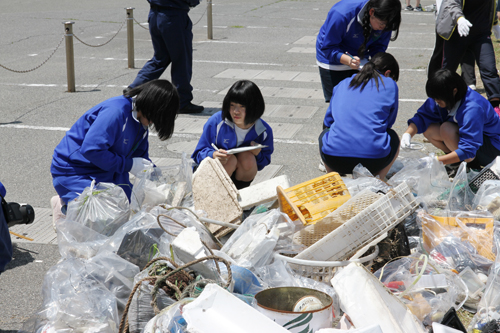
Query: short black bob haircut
{"points": [[158, 101], [246, 93], [376, 69], [441, 85]]}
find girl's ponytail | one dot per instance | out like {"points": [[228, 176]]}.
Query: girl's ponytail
{"points": [[364, 76], [367, 29], [375, 69]]}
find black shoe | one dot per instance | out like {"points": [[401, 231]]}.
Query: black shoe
{"points": [[126, 90], [191, 108]]}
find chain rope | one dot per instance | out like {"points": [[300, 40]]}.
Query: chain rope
{"points": [[43, 63], [81, 41], [140, 24]]}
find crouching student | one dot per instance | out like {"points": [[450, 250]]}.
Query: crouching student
{"points": [[457, 120], [238, 125], [111, 139], [359, 118]]}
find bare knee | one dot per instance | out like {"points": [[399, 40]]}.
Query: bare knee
{"points": [[448, 130], [246, 161]]}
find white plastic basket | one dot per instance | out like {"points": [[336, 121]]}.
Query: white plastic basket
{"points": [[344, 241], [322, 271], [403, 201]]}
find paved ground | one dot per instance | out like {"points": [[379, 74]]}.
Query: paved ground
{"points": [[268, 41]]}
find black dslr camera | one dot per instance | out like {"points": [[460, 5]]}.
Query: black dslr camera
{"points": [[17, 214]]}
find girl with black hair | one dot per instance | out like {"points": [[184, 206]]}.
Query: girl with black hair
{"points": [[239, 124], [457, 120], [111, 139], [359, 118], [354, 31]]}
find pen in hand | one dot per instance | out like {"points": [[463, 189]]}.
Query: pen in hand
{"points": [[215, 147], [347, 53]]}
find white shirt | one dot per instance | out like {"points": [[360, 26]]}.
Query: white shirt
{"points": [[241, 134]]}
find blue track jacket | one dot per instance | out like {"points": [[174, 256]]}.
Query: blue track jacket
{"points": [[100, 146], [343, 32], [221, 133], [475, 117], [5, 242], [359, 120]]}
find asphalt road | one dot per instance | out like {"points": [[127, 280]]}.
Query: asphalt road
{"points": [[269, 42]]}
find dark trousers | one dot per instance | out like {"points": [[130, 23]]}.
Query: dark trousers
{"points": [[468, 68], [172, 37], [329, 79], [456, 47]]}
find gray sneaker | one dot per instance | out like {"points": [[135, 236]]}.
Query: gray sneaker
{"points": [[419, 8]]}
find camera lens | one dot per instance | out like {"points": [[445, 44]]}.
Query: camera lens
{"points": [[28, 214]]}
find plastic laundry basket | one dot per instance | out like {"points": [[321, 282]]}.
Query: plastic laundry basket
{"points": [[314, 199], [322, 271]]}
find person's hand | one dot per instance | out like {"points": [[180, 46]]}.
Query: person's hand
{"points": [[406, 140], [220, 155], [255, 151], [463, 26], [354, 62], [140, 165]]}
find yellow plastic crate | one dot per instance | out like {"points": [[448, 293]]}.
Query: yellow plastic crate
{"points": [[480, 237], [313, 200]]}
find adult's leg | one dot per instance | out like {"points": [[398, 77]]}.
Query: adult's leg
{"points": [[436, 60], [433, 134], [178, 36], [485, 57], [468, 68], [454, 50], [155, 67]]}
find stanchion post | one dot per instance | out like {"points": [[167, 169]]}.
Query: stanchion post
{"points": [[209, 20], [70, 55], [130, 36]]}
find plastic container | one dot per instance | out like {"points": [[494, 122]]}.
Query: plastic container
{"points": [[321, 271], [355, 205], [403, 201], [481, 177], [312, 200], [354, 234], [472, 281]]}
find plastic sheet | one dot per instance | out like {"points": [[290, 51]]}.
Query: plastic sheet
{"points": [[102, 207], [252, 244], [165, 185]]}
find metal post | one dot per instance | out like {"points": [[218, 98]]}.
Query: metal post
{"points": [[70, 56], [209, 20], [130, 36]]}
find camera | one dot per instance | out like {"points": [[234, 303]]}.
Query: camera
{"points": [[17, 213]]}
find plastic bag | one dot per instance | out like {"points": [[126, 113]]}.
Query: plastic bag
{"points": [[78, 241], [169, 319], [461, 196], [360, 171], [252, 244], [102, 207], [431, 304], [459, 240], [488, 197], [488, 312], [373, 184], [165, 185], [76, 300]]}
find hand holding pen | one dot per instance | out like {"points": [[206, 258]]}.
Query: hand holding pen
{"points": [[351, 61], [220, 154]]}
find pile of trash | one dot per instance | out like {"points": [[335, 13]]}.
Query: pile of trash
{"points": [[190, 253]]}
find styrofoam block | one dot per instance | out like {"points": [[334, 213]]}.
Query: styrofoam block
{"points": [[218, 311], [188, 247], [262, 192], [367, 302], [215, 193]]}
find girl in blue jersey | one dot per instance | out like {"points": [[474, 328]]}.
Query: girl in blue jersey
{"points": [[457, 120], [111, 139], [359, 118], [238, 125], [354, 31]]}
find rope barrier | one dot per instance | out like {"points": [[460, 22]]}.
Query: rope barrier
{"points": [[81, 41], [140, 24], [43, 63]]}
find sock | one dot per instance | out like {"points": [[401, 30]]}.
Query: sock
{"points": [[495, 103], [239, 183]]}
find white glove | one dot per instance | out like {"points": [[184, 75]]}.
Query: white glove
{"points": [[406, 140], [140, 165], [426, 160], [463, 26]]}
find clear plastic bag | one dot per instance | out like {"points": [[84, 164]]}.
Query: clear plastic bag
{"points": [[164, 185], [76, 300], [169, 319], [461, 196], [252, 244], [488, 197], [78, 241], [102, 207]]}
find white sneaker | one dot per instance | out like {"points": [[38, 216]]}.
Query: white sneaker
{"points": [[472, 86], [322, 167], [55, 203]]}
